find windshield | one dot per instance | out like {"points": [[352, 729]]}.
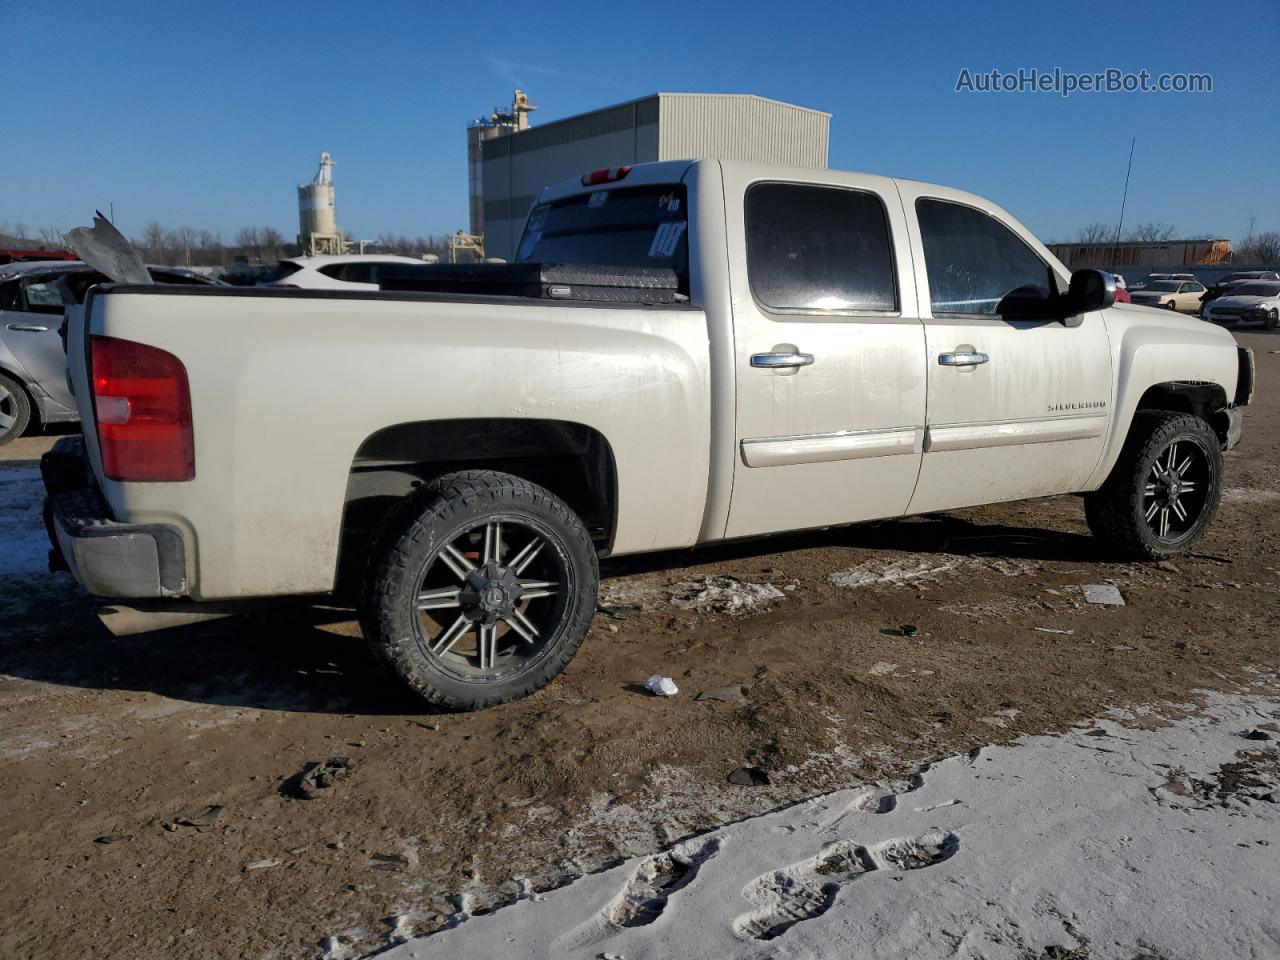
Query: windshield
{"points": [[1165, 286], [625, 227], [1255, 288]]}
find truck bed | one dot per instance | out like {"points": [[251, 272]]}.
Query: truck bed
{"points": [[288, 386]]}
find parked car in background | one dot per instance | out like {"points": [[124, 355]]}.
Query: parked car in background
{"points": [[1180, 295], [351, 272], [1249, 301], [34, 297], [1153, 277], [1223, 286], [1122, 295]]}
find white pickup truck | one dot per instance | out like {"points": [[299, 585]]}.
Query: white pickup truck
{"points": [[841, 348]]}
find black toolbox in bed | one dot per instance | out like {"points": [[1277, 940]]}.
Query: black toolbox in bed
{"points": [[556, 281]]}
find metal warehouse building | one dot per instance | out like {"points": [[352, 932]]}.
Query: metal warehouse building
{"points": [[516, 165]]}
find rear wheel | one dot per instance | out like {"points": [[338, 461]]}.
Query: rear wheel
{"points": [[1164, 490], [482, 592], [15, 409]]}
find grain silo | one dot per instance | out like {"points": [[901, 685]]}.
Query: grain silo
{"points": [[317, 215]]}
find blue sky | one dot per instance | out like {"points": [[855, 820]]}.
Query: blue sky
{"points": [[209, 114]]}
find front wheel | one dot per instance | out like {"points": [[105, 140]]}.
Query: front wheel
{"points": [[1273, 319], [1164, 490], [482, 591]]}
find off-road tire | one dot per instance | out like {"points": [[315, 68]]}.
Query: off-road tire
{"points": [[406, 547], [1115, 511], [18, 406]]}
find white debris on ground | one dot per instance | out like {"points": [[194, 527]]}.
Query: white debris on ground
{"points": [[1103, 594], [725, 595], [1249, 495], [874, 573], [661, 686], [24, 547], [911, 570], [1121, 838]]}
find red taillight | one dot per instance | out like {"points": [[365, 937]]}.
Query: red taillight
{"points": [[143, 408], [607, 175]]}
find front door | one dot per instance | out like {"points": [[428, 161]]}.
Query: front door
{"points": [[829, 352], [1018, 405]]}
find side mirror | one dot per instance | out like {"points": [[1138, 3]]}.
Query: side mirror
{"points": [[1090, 290]]}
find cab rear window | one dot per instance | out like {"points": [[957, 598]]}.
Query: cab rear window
{"points": [[626, 226]]}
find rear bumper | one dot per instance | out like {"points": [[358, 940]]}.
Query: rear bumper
{"points": [[109, 559]]}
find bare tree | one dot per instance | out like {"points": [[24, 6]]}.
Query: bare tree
{"points": [[14, 234], [272, 244], [1096, 232], [53, 238], [1259, 250], [249, 244], [152, 243], [1152, 232]]}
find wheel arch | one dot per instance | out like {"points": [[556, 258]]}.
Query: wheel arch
{"points": [[1200, 398], [574, 461]]}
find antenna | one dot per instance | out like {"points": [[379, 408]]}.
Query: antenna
{"points": [[1123, 200]]}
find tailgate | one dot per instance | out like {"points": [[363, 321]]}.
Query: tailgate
{"points": [[78, 320]]}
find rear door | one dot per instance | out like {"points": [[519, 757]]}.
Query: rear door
{"points": [[829, 351], [1017, 407], [31, 332]]}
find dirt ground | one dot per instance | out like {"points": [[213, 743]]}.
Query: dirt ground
{"points": [[879, 648]]}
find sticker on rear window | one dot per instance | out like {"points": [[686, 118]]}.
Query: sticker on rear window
{"points": [[666, 237]]}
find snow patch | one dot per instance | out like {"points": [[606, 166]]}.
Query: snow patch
{"points": [[1249, 495], [1022, 854], [725, 595], [901, 572]]}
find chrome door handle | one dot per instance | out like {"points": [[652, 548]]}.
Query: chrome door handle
{"points": [[774, 360], [28, 327], [962, 359]]}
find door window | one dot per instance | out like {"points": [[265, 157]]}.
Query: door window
{"points": [[979, 267], [815, 248], [43, 296]]}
